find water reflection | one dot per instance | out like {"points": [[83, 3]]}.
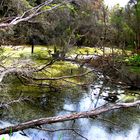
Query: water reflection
{"points": [[114, 125]]}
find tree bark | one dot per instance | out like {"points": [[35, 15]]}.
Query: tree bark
{"points": [[32, 50], [63, 118]]}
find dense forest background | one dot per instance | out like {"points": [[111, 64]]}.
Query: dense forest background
{"points": [[83, 23]]}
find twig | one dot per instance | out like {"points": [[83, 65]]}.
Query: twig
{"points": [[80, 134], [65, 77], [64, 129]]}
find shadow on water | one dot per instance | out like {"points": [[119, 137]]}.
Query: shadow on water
{"points": [[121, 124]]}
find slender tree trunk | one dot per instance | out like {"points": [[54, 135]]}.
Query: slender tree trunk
{"points": [[138, 43], [32, 49]]}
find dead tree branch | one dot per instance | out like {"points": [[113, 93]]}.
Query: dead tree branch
{"points": [[64, 129], [65, 77], [31, 13], [69, 117], [45, 66]]}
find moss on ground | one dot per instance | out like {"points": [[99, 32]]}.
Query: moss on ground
{"points": [[62, 68], [21, 56], [88, 51]]}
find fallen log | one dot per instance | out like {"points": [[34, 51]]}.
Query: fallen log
{"points": [[63, 118]]}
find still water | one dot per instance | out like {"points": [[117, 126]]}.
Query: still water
{"points": [[115, 125]]}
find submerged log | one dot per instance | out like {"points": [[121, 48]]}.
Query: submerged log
{"points": [[63, 118]]}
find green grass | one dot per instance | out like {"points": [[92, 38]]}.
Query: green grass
{"points": [[134, 69], [128, 97], [17, 51], [133, 60], [85, 51], [58, 69], [62, 68]]}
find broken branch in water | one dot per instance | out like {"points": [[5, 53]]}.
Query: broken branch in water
{"points": [[69, 117]]}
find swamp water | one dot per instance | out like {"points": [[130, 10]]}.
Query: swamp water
{"points": [[121, 124]]}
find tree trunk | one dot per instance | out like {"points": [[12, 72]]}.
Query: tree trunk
{"points": [[32, 50]]}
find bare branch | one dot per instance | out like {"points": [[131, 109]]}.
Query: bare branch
{"points": [[65, 77], [79, 134], [46, 65], [64, 129], [55, 130], [63, 118], [31, 13]]}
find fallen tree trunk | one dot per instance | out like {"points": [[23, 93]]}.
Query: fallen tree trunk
{"points": [[63, 118]]}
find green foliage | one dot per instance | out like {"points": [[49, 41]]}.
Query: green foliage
{"points": [[11, 131], [88, 51], [133, 60], [71, 7], [3, 138], [32, 2], [128, 30], [60, 137], [48, 7], [134, 69], [117, 16]]}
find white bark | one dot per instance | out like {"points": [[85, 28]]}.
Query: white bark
{"points": [[34, 12]]}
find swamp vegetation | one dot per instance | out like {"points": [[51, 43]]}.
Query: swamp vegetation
{"points": [[69, 70]]}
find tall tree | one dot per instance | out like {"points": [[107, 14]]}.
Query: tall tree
{"points": [[135, 8]]}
